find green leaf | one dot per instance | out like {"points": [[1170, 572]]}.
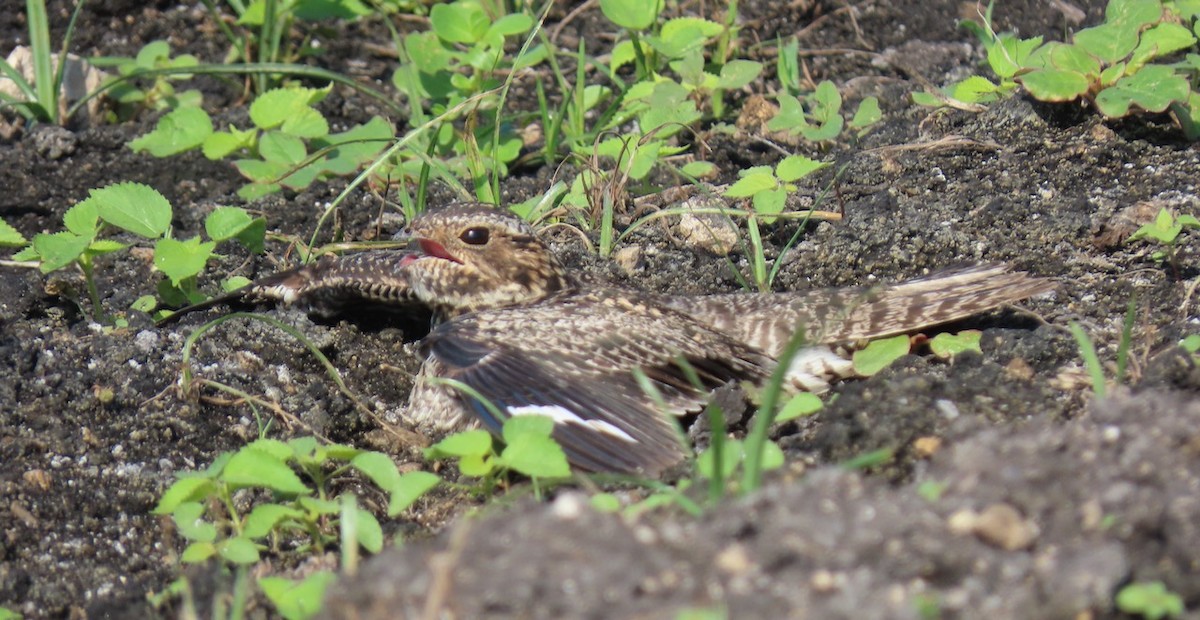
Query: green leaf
{"points": [[134, 207], [753, 181], [605, 502], [738, 73], [251, 467], [511, 25], [869, 459], [868, 113], [105, 246], [1008, 54], [1154, 88], [1161, 40], [226, 222], [459, 22], [238, 550], [772, 456], [826, 131], [263, 519], [11, 237], [57, 250], [684, 36], [947, 346], [297, 600], [280, 105], [281, 148], [477, 465], [189, 520], [632, 14], [1054, 85], [83, 219], [306, 123], [1133, 14], [699, 169], [769, 203], [731, 455], [800, 405], [826, 102], [408, 489], [1073, 58], [224, 143], [1108, 42], [180, 260], [1151, 600], [530, 450], [145, 303], [198, 552], [974, 89], [474, 442], [795, 167], [180, 130], [191, 489], [926, 99], [1191, 343], [880, 354], [367, 530]]}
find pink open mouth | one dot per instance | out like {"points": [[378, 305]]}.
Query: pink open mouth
{"points": [[429, 248]]}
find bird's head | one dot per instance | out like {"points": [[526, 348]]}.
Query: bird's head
{"points": [[474, 256]]}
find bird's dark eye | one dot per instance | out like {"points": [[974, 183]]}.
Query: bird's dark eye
{"points": [[475, 236]]}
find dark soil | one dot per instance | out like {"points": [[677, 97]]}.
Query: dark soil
{"points": [[1084, 497]]}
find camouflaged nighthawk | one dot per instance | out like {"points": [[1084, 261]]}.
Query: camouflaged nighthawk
{"points": [[531, 338]]}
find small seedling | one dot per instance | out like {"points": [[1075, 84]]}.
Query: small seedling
{"points": [[204, 509], [1165, 230], [528, 450], [879, 354], [818, 118], [140, 210], [286, 125], [1151, 600], [161, 93]]}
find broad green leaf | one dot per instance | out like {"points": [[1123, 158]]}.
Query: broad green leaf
{"points": [[221, 144], [180, 130], [1073, 58], [255, 468], [1108, 42], [974, 89], [477, 465], [1008, 55], [1153, 88], [752, 184], [297, 600], [189, 520], [11, 237], [769, 203], [226, 222], [409, 488], [772, 456], [105, 246], [459, 22], [134, 207], [699, 169], [474, 442], [238, 550], [1054, 85], [277, 106], [825, 102], [947, 346], [180, 260], [192, 489], [314, 10], [880, 354], [83, 218], [800, 405], [511, 24], [198, 552], [57, 250], [366, 529], [632, 14], [868, 114], [795, 167], [1133, 14], [263, 519], [281, 148], [731, 455], [1161, 40], [306, 123], [738, 73], [530, 450], [683, 36], [379, 467], [827, 130], [284, 451]]}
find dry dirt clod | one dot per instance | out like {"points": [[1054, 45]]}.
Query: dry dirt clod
{"points": [[999, 525]]}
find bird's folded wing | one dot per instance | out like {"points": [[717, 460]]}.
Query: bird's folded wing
{"points": [[603, 423]]}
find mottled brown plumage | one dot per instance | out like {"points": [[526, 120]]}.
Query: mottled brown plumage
{"points": [[527, 336]]}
